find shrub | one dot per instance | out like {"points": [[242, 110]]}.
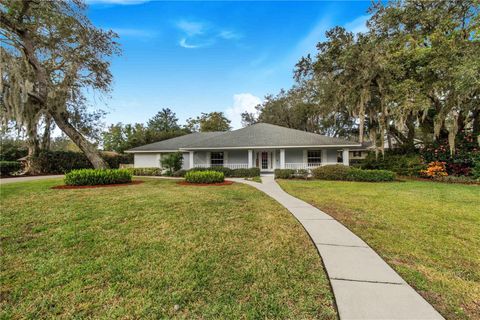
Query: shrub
{"points": [[355, 174], [66, 161], [172, 162], [331, 172], [301, 174], [226, 171], [245, 173], [284, 173], [233, 173], [91, 177], [9, 167], [404, 165], [146, 171], [204, 177], [344, 173], [435, 169]]}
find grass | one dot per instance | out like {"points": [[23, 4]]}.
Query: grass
{"points": [[254, 179], [428, 232], [138, 251]]}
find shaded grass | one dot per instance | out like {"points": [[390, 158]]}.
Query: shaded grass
{"points": [[137, 251], [428, 232]]}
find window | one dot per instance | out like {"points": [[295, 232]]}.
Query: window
{"points": [[314, 156], [357, 153], [216, 159], [340, 156]]}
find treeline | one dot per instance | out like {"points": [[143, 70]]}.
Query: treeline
{"points": [[164, 125], [412, 78]]}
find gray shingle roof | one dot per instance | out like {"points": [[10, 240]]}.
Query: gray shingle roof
{"points": [[268, 135], [176, 143], [257, 135]]}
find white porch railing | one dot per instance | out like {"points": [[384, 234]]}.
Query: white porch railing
{"points": [[227, 165], [302, 165]]}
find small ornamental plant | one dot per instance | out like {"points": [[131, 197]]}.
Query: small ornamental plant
{"points": [[435, 169], [93, 177], [204, 177]]}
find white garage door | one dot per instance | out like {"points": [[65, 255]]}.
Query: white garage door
{"points": [[147, 160]]}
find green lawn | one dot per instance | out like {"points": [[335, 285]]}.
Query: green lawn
{"points": [[428, 232], [137, 251]]}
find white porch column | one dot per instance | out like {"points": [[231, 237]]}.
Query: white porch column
{"points": [[250, 158], [190, 153], [282, 158], [345, 157], [324, 157]]}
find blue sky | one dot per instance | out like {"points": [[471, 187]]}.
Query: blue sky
{"points": [[198, 57]]}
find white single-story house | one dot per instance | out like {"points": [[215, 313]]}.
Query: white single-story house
{"points": [[261, 145]]}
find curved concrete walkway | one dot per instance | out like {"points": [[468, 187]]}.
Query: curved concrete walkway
{"points": [[364, 285]]}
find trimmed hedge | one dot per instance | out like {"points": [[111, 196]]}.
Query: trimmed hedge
{"points": [[404, 164], [9, 167], [204, 177], [331, 172], [65, 161], [146, 171], [284, 173], [92, 177], [233, 173], [344, 173]]}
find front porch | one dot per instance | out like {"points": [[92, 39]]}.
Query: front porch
{"points": [[267, 159]]}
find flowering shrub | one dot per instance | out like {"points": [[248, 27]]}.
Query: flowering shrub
{"points": [[462, 161], [435, 169]]}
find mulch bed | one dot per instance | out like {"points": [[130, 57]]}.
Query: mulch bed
{"points": [[99, 185], [224, 183]]}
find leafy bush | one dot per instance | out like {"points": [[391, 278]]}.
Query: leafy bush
{"points": [[172, 162], [284, 173], [91, 177], [204, 177], [12, 149], [301, 174], [9, 167], [435, 169], [331, 172], [232, 173], [344, 173], [65, 161], [463, 159], [476, 168], [146, 171], [355, 174], [404, 165], [245, 173]]}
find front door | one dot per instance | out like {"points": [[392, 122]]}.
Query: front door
{"points": [[264, 160]]}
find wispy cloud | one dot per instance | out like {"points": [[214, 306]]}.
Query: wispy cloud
{"points": [[198, 34], [358, 25], [191, 28], [116, 2]]}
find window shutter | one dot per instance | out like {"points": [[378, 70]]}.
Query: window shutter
{"points": [[225, 158], [305, 156], [208, 159]]}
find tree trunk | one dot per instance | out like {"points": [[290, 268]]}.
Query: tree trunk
{"points": [[61, 119], [47, 133]]}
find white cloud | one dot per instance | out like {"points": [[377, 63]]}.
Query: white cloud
{"points": [[192, 28], [198, 34], [120, 2], [242, 102], [358, 25]]}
